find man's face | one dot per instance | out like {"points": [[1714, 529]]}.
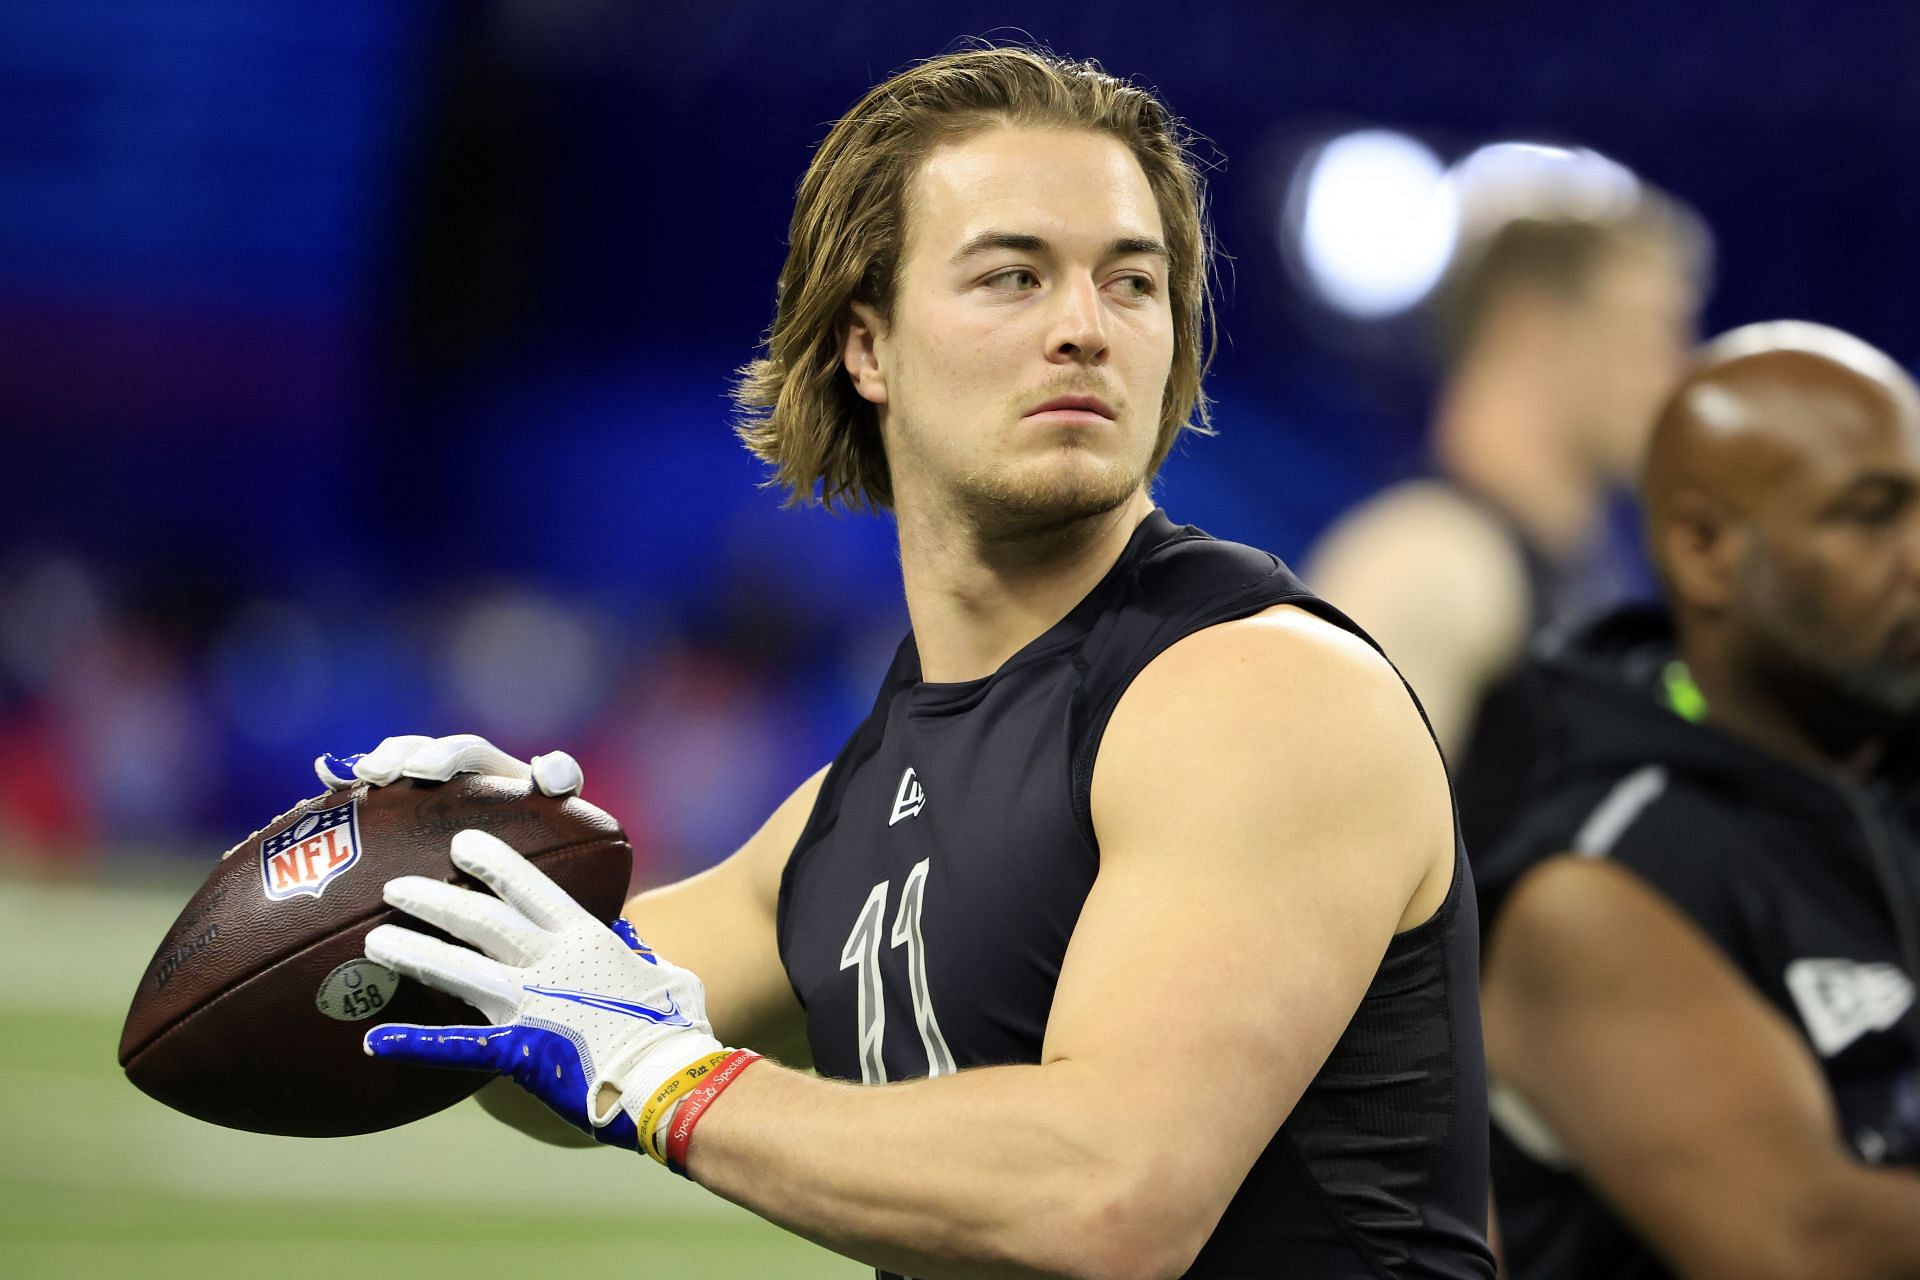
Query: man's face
{"points": [[1629, 337], [1830, 582], [1020, 381]]}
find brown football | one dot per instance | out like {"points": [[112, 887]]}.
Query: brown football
{"points": [[251, 1013]]}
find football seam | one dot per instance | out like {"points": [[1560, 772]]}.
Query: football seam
{"points": [[240, 980]]}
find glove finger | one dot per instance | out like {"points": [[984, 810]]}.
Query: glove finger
{"points": [[493, 862], [461, 1048], [462, 972], [336, 771], [441, 758], [557, 774], [623, 929], [382, 765], [476, 918]]}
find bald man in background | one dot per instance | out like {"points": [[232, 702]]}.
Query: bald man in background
{"points": [[1703, 936], [1561, 336]]}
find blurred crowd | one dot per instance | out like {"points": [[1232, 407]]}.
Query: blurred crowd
{"points": [[130, 724]]}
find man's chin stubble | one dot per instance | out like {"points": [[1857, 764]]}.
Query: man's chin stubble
{"points": [[1015, 507]]}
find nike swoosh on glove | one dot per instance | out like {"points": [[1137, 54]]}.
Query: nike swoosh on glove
{"points": [[572, 1004]]}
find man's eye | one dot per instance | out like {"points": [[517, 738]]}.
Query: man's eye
{"points": [[1014, 278], [1139, 286], [1879, 506]]}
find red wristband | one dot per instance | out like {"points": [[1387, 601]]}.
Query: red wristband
{"points": [[680, 1132]]}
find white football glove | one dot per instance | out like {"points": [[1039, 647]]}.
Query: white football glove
{"points": [[573, 1005], [438, 759]]}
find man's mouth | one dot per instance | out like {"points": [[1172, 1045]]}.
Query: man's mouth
{"points": [[1069, 408]]}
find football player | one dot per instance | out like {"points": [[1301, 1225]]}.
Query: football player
{"points": [[1130, 934]]}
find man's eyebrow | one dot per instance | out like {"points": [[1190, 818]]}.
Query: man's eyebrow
{"points": [[1130, 246], [1012, 240], [1019, 242]]}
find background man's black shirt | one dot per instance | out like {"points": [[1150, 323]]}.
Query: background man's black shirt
{"points": [[1806, 883]]}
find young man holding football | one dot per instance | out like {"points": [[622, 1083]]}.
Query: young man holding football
{"points": [[1130, 935]]}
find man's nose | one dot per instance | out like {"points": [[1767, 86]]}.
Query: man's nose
{"points": [[1079, 332]]}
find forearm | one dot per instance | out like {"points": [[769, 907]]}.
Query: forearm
{"points": [[708, 925], [1006, 1171], [1863, 1223], [721, 924], [1783, 1217]]}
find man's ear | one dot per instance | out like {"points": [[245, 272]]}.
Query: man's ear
{"points": [[1701, 543], [862, 339]]}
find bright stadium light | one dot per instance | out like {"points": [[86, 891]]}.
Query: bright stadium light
{"points": [[1370, 222]]}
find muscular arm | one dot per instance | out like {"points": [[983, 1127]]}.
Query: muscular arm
{"points": [[1685, 1100], [1439, 586], [1270, 812], [720, 924]]}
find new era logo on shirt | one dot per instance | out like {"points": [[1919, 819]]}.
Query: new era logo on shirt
{"points": [[1840, 1000], [909, 799]]}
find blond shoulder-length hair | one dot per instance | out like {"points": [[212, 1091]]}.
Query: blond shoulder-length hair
{"points": [[798, 409]]}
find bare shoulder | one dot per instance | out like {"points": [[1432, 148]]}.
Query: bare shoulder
{"points": [[1420, 551], [1280, 721], [1284, 674], [1422, 519], [1584, 949], [1559, 937], [1568, 908]]}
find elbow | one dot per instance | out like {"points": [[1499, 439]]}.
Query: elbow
{"points": [[1141, 1223], [1815, 1232], [1785, 1257], [1826, 1235]]}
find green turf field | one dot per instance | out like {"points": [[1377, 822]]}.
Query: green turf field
{"points": [[98, 1180]]}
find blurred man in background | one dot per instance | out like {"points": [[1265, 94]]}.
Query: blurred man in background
{"points": [[1704, 935], [1561, 333]]}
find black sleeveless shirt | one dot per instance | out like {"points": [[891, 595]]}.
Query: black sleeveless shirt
{"points": [[1494, 768], [926, 909]]}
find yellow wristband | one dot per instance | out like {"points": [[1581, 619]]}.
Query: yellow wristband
{"points": [[677, 1084]]}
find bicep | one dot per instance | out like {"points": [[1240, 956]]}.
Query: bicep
{"points": [[1442, 592], [1684, 1099], [1251, 878], [721, 925]]}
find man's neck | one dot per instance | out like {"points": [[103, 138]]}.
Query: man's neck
{"points": [[976, 601], [1814, 729], [1493, 431]]}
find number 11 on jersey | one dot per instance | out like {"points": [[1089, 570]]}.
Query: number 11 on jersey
{"points": [[863, 950]]}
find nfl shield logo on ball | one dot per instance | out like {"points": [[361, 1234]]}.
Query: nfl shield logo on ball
{"points": [[311, 854]]}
